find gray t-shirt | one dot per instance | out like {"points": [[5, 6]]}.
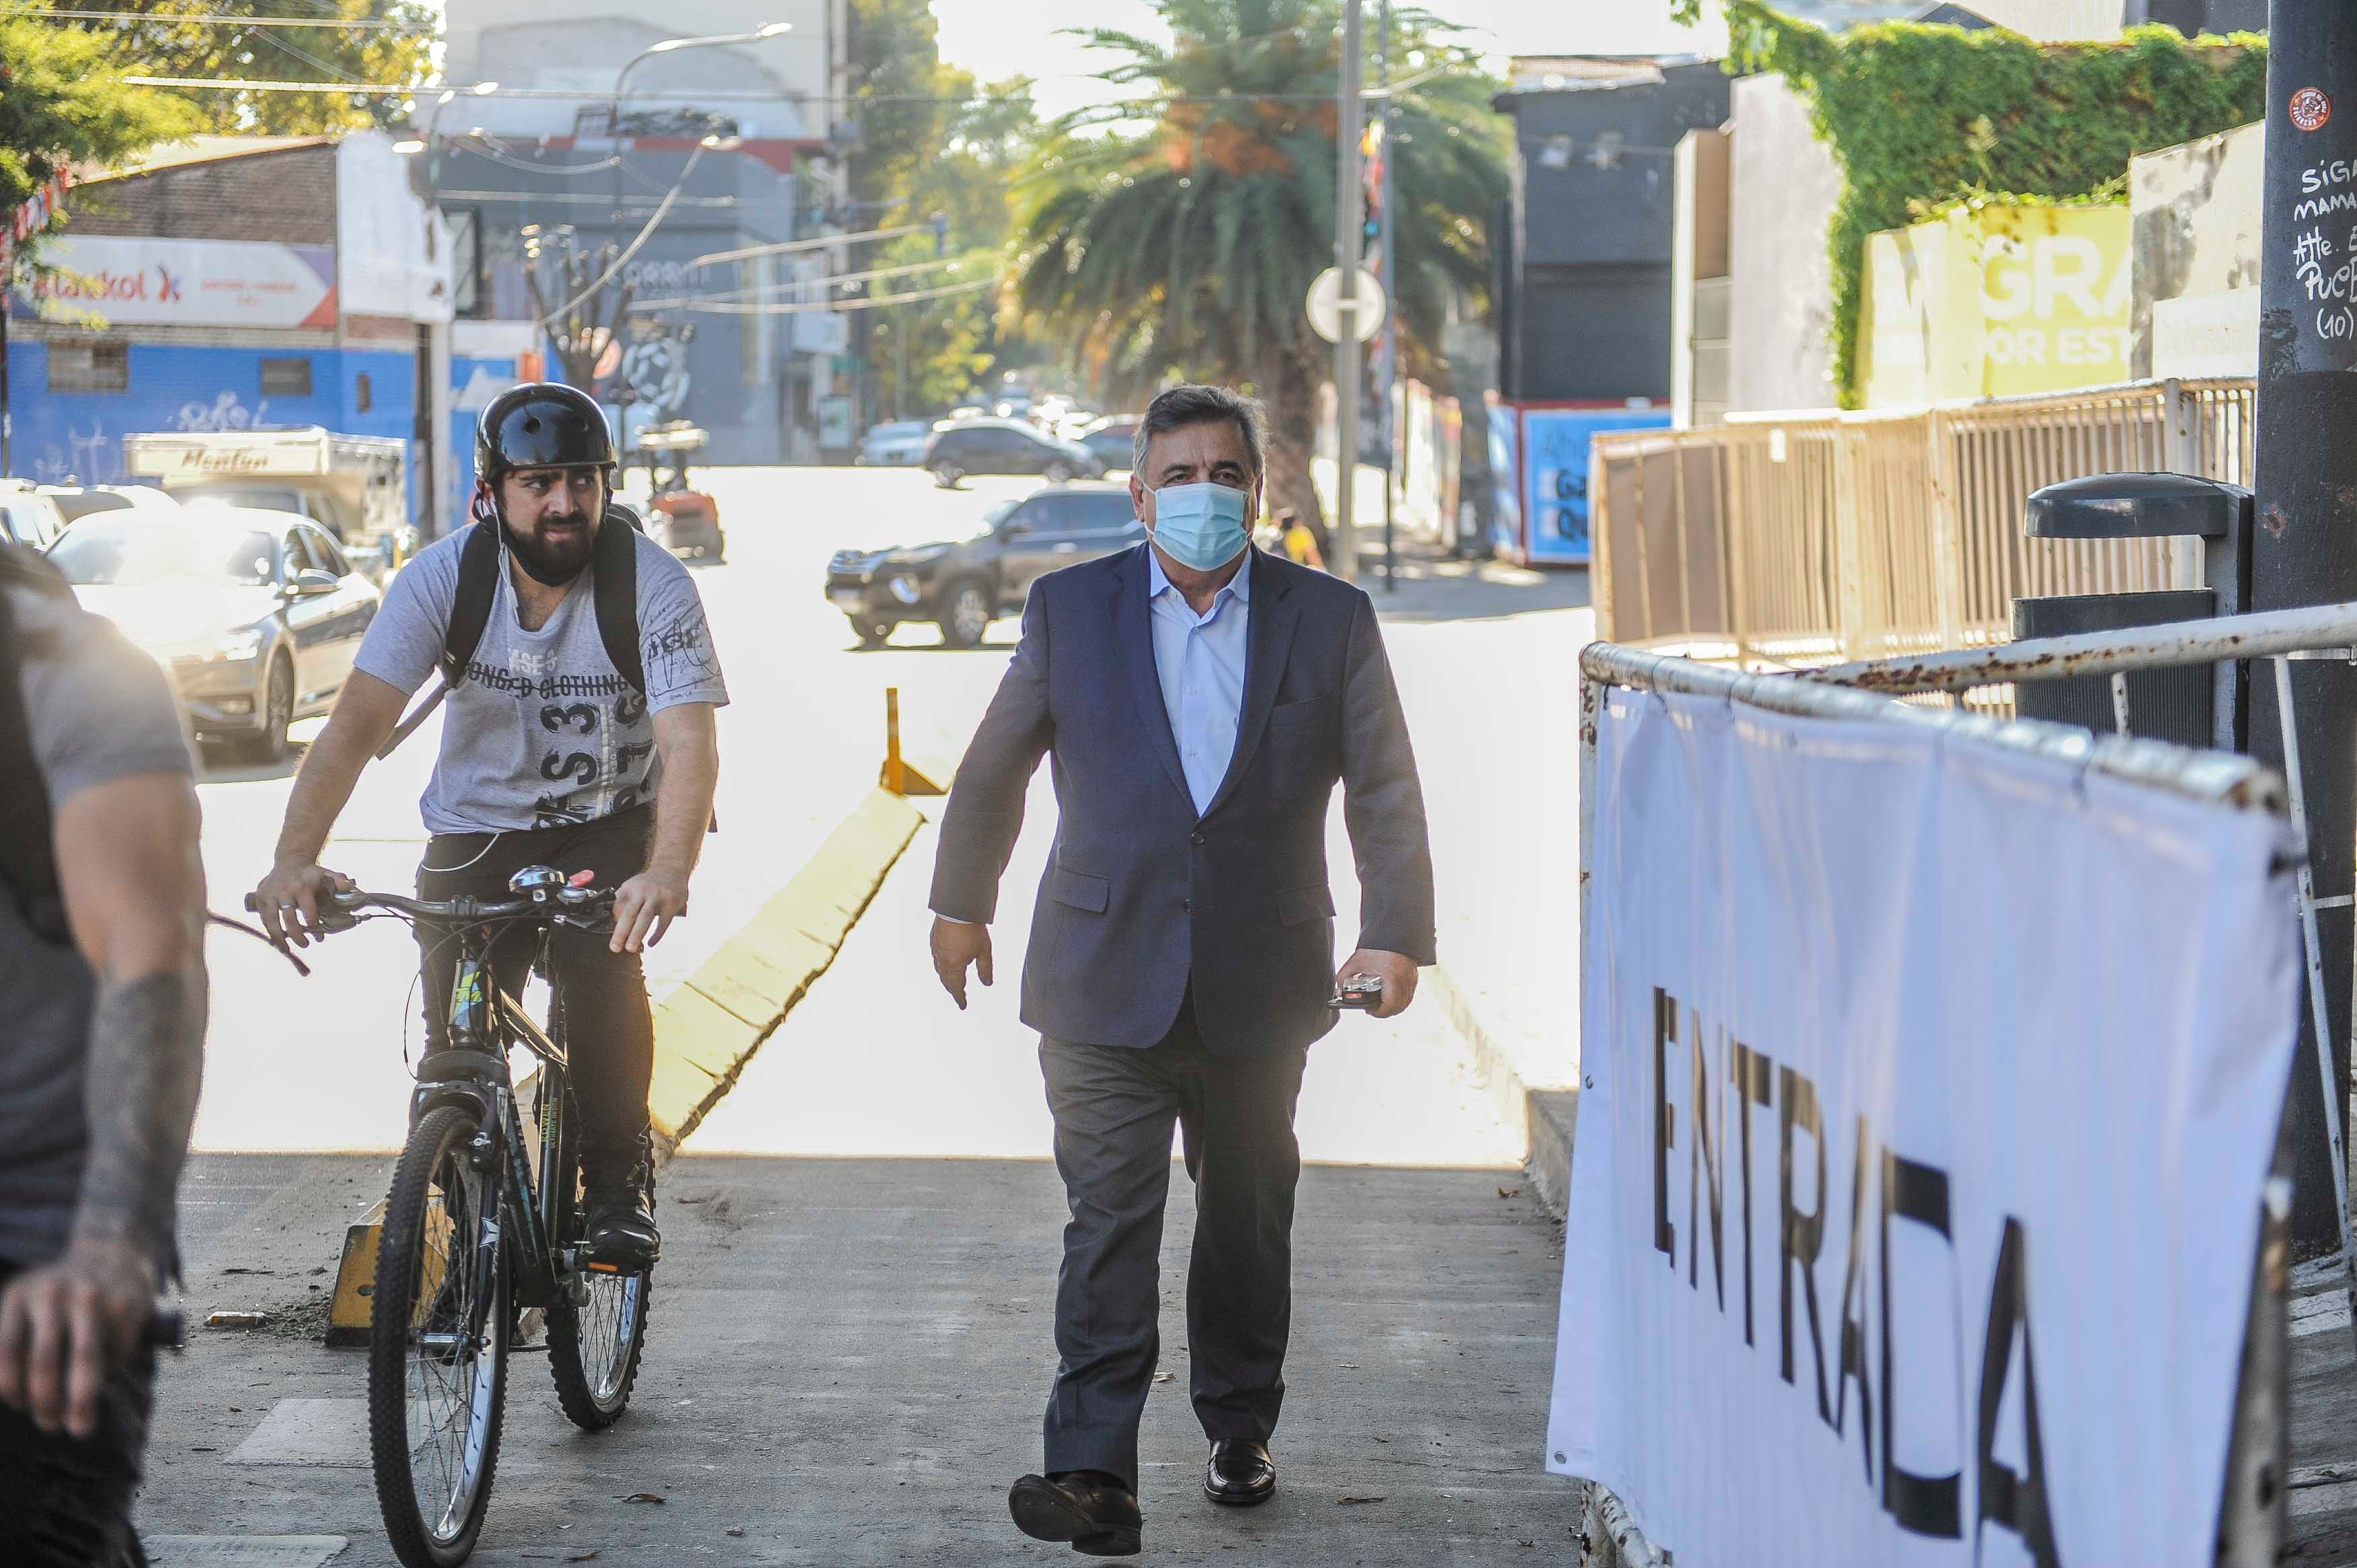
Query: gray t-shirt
{"points": [[543, 731], [97, 708]]}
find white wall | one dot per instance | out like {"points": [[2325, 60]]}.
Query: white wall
{"points": [[2055, 21], [392, 250], [2196, 207], [581, 45], [1784, 184]]}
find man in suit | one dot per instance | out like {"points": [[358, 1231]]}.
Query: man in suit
{"points": [[1199, 699]]}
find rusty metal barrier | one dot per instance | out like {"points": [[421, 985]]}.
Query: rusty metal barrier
{"points": [[1791, 541]]}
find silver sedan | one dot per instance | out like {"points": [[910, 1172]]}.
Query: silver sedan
{"points": [[257, 613]]}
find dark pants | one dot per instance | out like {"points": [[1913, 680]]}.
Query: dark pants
{"points": [[65, 1502], [609, 1028], [1113, 1110]]}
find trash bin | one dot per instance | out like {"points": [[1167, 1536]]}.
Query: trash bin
{"points": [[2191, 706]]}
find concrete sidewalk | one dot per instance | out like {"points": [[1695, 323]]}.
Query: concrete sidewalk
{"points": [[847, 1361]]}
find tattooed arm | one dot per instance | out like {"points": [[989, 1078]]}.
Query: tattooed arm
{"points": [[134, 886]]}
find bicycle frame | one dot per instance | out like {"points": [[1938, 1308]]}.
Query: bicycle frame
{"points": [[472, 1069]]}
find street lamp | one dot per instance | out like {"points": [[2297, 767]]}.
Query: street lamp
{"points": [[669, 46]]}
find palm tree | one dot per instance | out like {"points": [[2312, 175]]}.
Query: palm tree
{"points": [[1177, 233]]}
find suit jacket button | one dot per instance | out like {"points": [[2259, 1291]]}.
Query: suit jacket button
{"points": [[1187, 904], [1195, 838]]}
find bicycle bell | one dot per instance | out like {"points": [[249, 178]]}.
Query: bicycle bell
{"points": [[539, 881]]}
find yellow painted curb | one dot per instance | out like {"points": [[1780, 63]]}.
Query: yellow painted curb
{"points": [[708, 1027]]}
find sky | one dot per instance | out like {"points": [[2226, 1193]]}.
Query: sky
{"points": [[998, 38]]}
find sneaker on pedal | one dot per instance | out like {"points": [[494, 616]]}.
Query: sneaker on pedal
{"points": [[619, 1227]]}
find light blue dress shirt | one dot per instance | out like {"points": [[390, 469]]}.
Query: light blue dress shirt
{"points": [[1200, 662]]}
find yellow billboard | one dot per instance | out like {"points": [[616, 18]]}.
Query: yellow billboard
{"points": [[1992, 300]]}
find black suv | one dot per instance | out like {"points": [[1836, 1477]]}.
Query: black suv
{"points": [[1006, 446], [965, 584]]}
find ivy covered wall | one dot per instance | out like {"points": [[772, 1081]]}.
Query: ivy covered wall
{"points": [[1920, 116]]}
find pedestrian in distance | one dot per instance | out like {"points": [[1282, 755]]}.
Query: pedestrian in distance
{"points": [[1198, 700], [579, 732], [102, 988]]}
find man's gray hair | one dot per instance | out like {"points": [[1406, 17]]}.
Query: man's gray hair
{"points": [[1196, 405]]}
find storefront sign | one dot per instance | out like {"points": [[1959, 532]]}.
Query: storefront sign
{"points": [[116, 281]]}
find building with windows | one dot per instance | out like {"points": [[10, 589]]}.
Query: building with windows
{"points": [[230, 283], [560, 132]]}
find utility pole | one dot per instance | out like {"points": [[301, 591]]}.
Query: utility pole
{"points": [[1387, 349], [2304, 550], [1348, 217]]}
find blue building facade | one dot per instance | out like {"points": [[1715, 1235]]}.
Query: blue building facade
{"points": [[64, 436], [234, 283]]}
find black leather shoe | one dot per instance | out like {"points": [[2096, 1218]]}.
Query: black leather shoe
{"points": [[619, 1227], [1241, 1472], [1092, 1510]]}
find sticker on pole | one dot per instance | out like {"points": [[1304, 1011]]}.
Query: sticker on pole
{"points": [[2310, 108]]}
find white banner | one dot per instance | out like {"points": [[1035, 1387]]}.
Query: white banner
{"points": [[1928, 1092], [134, 282]]}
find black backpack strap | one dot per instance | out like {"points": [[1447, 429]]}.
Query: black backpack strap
{"points": [[470, 611], [616, 584], [29, 862]]}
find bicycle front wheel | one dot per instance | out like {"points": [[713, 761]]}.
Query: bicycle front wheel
{"points": [[437, 1345]]}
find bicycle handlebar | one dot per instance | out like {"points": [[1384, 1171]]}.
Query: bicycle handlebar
{"points": [[462, 911]]}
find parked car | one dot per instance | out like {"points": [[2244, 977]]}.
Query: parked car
{"points": [[28, 517], [965, 583], [258, 613], [895, 443], [78, 502], [1006, 446], [1108, 439]]}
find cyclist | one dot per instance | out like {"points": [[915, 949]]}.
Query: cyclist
{"points": [[102, 985], [553, 752]]}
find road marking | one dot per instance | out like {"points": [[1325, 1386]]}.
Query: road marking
{"points": [[242, 1551], [322, 1433]]}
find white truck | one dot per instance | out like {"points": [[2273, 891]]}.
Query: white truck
{"points": [[356, 487]]}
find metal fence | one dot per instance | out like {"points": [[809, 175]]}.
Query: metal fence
{"points": [[1792, 540]]}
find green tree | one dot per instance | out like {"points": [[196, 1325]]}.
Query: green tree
{"points": [[63, 103], [234, 39], [931, 140], [954, 343], [1179, 233]]}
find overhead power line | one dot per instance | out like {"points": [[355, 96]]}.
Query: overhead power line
{"points": [[212, 19], [820, 242], [835, 280], [728, 308], [710, 96], [632, 248]]}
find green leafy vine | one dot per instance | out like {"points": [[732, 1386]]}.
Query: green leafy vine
{"points": [[1920, 116]]}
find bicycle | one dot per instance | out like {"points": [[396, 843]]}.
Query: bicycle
{"points": [[470, 1240]]}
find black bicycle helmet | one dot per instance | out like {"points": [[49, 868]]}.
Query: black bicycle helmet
{"points": [[541, 425]]}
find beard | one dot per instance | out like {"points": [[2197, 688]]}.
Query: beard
{"points": [[554, 562]]}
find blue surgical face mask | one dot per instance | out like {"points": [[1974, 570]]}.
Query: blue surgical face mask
{"points": [[1201, 526]]}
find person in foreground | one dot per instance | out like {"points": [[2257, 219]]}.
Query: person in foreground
{"points": [[1199, 700], [102, 988]]}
